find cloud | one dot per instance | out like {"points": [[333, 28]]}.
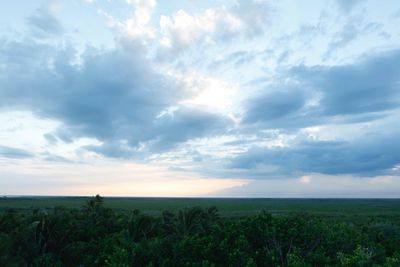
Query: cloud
{"points": [[274, 105], [354, 29], [253, 14], [138, 26], [304, 95], [236, 59], [45, 24], [396, 14], [14, 153], [55, 158], [113, 96], [370, 85], [188, 123], [347, 6], [367, 156], [51, 139], [181, 30], [167, 132]]}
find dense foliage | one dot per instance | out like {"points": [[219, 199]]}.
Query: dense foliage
{"points": [[98, 236]]}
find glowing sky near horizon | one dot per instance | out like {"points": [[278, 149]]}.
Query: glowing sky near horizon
{"points": [[226, 98]]}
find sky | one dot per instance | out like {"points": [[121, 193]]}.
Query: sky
{"points": [[198, 98]]}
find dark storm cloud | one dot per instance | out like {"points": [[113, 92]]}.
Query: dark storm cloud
{"points": [[14, 153], [368, 156], [114, 96]]}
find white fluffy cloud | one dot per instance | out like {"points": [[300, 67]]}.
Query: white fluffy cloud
{"points": [[138, 26], [184, 29]]}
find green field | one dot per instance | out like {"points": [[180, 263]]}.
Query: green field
{"points": [[226, 206]]}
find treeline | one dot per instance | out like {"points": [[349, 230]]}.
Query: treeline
{"points": [[98, 236]]}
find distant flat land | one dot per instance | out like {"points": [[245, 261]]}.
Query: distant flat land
{"points": [[227, 206]]}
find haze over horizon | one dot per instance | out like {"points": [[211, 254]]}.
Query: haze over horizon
{"points": [[228, 98]]}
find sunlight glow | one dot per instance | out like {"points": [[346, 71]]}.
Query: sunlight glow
{"points": [[211, 93], [306, 179]]}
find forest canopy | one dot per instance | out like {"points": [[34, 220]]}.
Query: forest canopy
{"points": [[95, 235]]}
